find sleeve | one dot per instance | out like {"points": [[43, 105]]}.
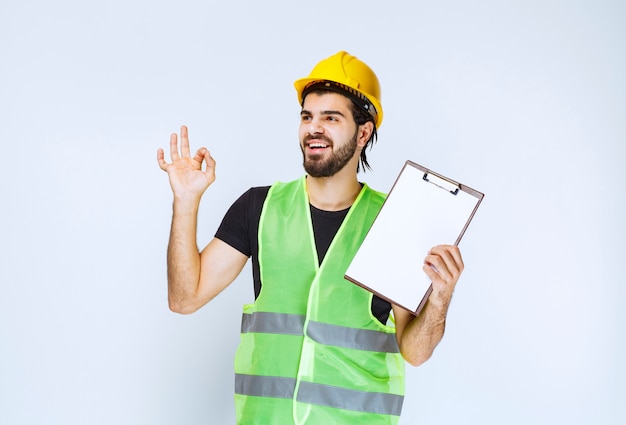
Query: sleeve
{"points": [[234, 227], [240, 223]]}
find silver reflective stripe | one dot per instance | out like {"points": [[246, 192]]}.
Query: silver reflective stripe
{"points": [[323, 333], [343, 398], [360, 339], [274, 323], [264, 386], [324, 395]]}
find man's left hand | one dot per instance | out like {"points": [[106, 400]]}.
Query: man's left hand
{"points": [[444, 266]]}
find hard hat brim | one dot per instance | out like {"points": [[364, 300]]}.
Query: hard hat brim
{"points": [[302, 83]]}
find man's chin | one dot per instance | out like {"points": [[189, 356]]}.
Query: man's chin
{"points": [[317, 170]]}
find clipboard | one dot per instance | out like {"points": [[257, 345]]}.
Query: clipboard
{"points": [[423, 209]]}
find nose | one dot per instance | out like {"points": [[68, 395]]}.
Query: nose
{"points": [[314, 126]]}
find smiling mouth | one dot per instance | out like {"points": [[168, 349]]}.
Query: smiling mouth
{"points": [[317, 142], [317, 146]]}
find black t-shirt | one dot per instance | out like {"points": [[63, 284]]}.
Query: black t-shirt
{"points": [[240, 228]]}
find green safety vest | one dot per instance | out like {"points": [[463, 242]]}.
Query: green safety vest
{"points": [[311, 352]]}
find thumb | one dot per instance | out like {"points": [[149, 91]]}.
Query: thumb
{"points": [[209, 170]]}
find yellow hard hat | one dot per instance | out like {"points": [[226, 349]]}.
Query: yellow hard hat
{"points": [[351, 77]]}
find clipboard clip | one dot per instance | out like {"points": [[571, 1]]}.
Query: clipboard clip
{"points": [[442, 183]]}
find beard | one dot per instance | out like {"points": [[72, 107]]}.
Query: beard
{"points": [[316, 166]]}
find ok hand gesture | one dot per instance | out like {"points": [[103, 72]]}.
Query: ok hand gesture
{"points": [[187, 179]]}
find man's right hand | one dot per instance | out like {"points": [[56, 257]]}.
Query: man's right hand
{"points": [[187, 179]]}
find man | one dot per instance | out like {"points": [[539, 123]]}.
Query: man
{"points": [[315, 348]]}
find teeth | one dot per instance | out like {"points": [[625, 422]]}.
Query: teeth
{"points": [[317, 145]]}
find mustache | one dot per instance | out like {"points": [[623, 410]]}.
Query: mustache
{"points": [[309, 137]]}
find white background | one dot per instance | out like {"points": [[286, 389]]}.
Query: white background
{"points": [[523, 100]]}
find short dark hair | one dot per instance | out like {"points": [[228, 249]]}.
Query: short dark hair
{"points": [[360, 116]]}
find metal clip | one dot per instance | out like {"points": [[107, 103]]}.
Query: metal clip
{"points": [[442, 183]]}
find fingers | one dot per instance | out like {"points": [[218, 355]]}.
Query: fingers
{"points": [[444, 262], [431, 271], [184, 142], [161, 159], [210, 166], [174, 147], [210, 162], [173, 152], [185, 153], [444, 266], [200, 155]]}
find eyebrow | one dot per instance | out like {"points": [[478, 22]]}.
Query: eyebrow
{"points": [[329, 112]]}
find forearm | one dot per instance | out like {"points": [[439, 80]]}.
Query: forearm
{"points": [[188, 182], [419, 336], [183, 258], [423, 333]]}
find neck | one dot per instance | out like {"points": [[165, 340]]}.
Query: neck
{"points": [[333, 193]]}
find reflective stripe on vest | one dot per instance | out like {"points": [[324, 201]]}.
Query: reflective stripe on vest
{"points": [[323, 333], [320, 394]]}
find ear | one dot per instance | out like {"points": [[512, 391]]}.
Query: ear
{"points": [[364, 133]]}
